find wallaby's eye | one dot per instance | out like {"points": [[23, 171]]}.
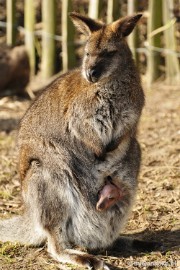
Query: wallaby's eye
{"points": [[87, 54], [108, 53], [112, 53]]}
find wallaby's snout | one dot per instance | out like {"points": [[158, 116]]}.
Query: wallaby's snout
{"points": [[93, 74], [95, 65], [99, 64]]}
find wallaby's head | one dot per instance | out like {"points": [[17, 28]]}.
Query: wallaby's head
{"points": [[106, 49]]}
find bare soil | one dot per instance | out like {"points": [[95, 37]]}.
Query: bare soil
{"points": [[156, 215]]}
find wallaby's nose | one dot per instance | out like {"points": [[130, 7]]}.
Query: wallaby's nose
{"points": [[92, 75]]}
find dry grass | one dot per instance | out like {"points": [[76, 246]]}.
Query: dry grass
{"points": [[157, 211]]}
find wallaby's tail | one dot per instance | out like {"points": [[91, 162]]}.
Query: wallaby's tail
{"points": [[21, 229]]}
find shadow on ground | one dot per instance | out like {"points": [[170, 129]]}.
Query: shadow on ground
{"points": [[168, 241]]}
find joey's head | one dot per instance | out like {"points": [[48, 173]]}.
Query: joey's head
{"points": [[106, 49]]}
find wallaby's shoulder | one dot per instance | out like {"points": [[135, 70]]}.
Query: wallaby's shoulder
{"points": [[64, 89], [69, 83], [59, 91]]}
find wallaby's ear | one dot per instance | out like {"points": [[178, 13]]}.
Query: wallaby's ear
{"points": [[125, 25], [85, 24]]}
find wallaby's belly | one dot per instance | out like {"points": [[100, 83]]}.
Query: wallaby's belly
{"points": [[92, 229]]}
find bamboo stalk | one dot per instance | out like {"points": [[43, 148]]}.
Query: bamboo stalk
{"points": [[93, 11], [133, 39], [154, 22], [68, 54], [29, 22], [172, 63], [11, 22], [48, 41], [113, 10], [162, 28]]}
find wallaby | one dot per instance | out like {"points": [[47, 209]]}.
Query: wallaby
{"points": [[79, 134]]}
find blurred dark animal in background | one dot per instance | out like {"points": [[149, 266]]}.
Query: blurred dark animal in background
{"points": [[14, 70]]}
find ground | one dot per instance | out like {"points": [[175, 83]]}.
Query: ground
{"points": [[156, 213]]}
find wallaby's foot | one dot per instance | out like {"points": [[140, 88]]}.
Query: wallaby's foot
{"points": [[79, 258]]}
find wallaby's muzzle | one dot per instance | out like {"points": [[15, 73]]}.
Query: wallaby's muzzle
{"points": [[93, 74]]}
